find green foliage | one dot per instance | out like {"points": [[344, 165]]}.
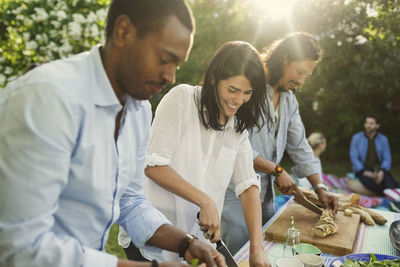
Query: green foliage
{"points": [[41, 31], [358, 74]]}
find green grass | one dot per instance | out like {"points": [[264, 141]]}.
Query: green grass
{"points": [[112, 246]]}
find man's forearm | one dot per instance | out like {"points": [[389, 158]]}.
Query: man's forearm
{"points": [[263, 165], [167, 237], [314, 179]]}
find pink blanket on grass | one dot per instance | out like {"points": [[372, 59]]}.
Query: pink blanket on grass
{"points": [[339, 185]]}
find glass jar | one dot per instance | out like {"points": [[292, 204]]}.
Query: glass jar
{"points": [[292, 241]]}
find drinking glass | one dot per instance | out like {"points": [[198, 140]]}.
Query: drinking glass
{"points": [[292, 241]]}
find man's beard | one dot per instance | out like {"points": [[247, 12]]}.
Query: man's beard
{"points": [[282, 89], [371, 132]]}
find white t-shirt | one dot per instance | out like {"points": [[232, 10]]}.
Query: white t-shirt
{"points": [[205, 158]]}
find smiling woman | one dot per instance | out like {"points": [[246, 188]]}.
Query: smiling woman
{"points": [[199, 142]]}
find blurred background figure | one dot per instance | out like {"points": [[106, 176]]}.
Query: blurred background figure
{"points": [[317, 141], [371, 159]]}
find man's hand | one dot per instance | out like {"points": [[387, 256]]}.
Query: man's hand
{"points": [[286, 184], [370, 174], [328, 200], [379, 177], [205, 253], [258, 258]]}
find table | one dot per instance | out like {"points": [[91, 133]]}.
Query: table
{"points": [[369, 239]]}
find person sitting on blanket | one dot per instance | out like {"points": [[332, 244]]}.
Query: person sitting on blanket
{"points": [[371, 158]]}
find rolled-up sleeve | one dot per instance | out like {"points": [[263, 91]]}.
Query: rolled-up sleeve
{"points": [[166, 128], [37, 136], [297, 146], [244, 175]]}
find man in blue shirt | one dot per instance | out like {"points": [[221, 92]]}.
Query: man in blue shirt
{"points": [[371, 158], [73, 138]]}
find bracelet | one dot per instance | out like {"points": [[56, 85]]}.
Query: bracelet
{"points": [[319, 185], [277, 171], [185, 243], [154, 263]]}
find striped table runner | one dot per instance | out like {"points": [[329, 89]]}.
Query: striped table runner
{"points": [[373, 239]]}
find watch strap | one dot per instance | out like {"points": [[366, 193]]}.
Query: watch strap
{"points": [[318, 186], [185, 243]]}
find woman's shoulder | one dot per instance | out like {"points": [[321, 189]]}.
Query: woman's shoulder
{"points": [[183, 90]]}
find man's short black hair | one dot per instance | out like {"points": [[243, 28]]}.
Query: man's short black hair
{"points": [[373, 116], [148, 15], [298, 46]]}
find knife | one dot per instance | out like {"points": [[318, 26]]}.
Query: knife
{"points": [[221, 247], [304, 202]]}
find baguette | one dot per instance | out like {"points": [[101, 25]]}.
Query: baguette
{"points": [[326, 225], [365, 217]]}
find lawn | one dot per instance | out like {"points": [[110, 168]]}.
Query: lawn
{"points": [[112, 246]]}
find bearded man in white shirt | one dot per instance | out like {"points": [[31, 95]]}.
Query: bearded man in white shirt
{"points": [[73, 137], [289, 62]]}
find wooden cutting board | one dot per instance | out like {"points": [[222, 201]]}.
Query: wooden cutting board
{"points": [[338, 244]]}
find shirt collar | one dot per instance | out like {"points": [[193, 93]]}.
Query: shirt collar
{"points": [[103, 94], [230, 123], [270, 92], [366, 136], [134, 104]]}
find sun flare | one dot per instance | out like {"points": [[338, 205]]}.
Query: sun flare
{"points": [[276, 9]]}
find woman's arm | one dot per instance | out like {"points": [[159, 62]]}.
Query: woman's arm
{"points": [[170, 180], [251, 205]]}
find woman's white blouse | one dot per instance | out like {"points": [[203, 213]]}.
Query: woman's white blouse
{"points": [[205, 158]]}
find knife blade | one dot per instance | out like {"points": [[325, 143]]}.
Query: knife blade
{"points": [[221, 247], [306, 203]]}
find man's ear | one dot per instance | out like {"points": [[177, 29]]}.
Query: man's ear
{"points": [[377, 126], [124, 31]]}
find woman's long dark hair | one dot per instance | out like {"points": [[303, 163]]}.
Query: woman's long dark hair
{"points": [[233, 59]]}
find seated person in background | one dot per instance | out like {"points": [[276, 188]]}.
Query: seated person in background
{"points": [[317, 141], [371, 158]]}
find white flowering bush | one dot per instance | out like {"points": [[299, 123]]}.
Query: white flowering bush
{"points": [[38, 31]]}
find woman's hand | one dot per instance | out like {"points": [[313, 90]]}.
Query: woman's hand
{"points": [[209, 220], [258, 258]]}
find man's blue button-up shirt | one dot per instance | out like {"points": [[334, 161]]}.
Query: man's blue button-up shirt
{"points": [[64, 180]]}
